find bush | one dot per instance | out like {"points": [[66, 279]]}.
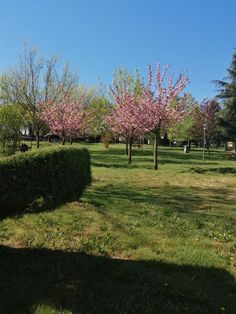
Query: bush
{"points": [[43, 179]]}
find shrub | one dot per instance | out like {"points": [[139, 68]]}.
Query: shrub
{"points": [[45, 178]]}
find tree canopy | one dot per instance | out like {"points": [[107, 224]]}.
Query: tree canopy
{"points": [[226, 90]]}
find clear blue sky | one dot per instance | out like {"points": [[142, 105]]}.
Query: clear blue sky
{"points": [[98, 36]]}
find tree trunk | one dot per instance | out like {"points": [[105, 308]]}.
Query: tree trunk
{"points": [[208, 149], [130, 151], [63, 140], [155, 150], [71, 140], [127, 147], [37, 137], [189, 144]]}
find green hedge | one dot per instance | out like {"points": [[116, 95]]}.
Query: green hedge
{"points": [[43, 178]]}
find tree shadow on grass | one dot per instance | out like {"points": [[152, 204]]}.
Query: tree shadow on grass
{"points": [[35, 207], [172, 153], [177, 198], [83, 283], [143, 158], [117, 151], [219, 170], [194, 154], [141, 163]]}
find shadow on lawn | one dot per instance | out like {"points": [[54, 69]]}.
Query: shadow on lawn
{"points": [[84, 283], [143, 163], [220, 170], [175, 198], [143, 158]]}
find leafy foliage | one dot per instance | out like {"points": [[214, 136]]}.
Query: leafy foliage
{"points": [[95, 114], [206, 114], [10, 123], [34, 80], [181, 130], [227, 93]]}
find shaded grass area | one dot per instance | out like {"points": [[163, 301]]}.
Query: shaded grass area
{"points": [[221, 170], [138, 241], [145, 156], [70, 282]]}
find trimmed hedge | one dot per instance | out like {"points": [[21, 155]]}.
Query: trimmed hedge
{"points": [[44, 178]]}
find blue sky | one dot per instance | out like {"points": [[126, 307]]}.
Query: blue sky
{"points": [[98, 36]]}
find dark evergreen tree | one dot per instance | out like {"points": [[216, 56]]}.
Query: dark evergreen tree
{"points": [[227, 94]]}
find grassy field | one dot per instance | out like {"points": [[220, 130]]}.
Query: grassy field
{"points": [[138, 241]]}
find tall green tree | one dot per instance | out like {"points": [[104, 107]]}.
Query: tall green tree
{"points": [[181, 131], [10, 124], [227, 94], [96, 105], [32, 81], [95, 115]]}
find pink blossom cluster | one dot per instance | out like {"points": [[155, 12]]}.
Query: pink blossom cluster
{"points": [[157, 100], [126, 119], [135, 115], [64, 117]]}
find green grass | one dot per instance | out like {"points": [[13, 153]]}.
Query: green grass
{"points": [[138, 241]]}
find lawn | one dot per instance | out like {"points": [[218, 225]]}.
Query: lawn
{"points": [[138, 241]]}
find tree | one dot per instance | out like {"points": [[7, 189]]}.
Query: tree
{"points": [[196, 130], [124, 83], [96, 112], [227, 94], [126, 118], [211, 111], [64, 117], [10, 124], [160, 110], [32, 81], [182, 130], [206, 115], [96, 106]]}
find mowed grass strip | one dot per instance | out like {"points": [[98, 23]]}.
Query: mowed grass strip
{"points": [[138, 241]]}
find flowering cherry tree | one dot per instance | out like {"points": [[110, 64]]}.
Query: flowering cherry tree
{"points": [[126, 118], [64, 117], [159, 108], [149, 110]]}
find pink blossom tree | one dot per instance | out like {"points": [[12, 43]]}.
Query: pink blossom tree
{"points": [[126, 118], [158, 100], [64, 117]]}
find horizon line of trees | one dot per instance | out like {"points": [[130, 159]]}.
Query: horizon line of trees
{"points": [[43, 97]]}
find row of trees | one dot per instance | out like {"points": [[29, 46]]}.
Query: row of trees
{"points": [[35, 80], [146, 109], [40, 95]]}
